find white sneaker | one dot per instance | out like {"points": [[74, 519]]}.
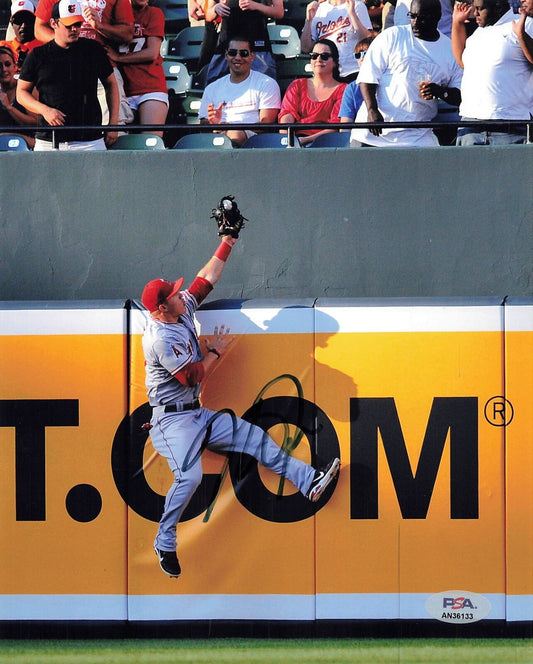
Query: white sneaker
{"points": [[322, 479]]}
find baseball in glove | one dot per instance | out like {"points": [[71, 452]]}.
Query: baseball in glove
{"points": [[228, 217]]}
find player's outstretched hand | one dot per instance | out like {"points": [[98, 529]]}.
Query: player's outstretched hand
{"points": [[220, 340]]}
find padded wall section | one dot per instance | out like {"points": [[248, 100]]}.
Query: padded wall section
{"points": [[514, 415], [323, 222], [63, 394], [427, 402]]}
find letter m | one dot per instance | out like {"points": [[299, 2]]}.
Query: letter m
{"points": [[458, 415]]}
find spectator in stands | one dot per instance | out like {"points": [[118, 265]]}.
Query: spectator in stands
{"points": [[387, 15], [352, 98], [344, 22], [242, 96], [23, 22], [406, 69], [247, 18], [65, 72], [315, 99], [401, 17], [141, 66], [497, 79], [525, 9], [108, 22], [12, 114]]}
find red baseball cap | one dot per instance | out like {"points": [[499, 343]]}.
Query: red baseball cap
{"points": [[158, 290]]}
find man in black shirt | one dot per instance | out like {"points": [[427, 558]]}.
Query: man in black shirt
{"points": [[248, 19], [65, 73]]}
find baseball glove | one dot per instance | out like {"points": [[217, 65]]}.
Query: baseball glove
{"points": [[228, 217]]}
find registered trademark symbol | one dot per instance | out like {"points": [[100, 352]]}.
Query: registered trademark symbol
{"points": [[499, 412]]}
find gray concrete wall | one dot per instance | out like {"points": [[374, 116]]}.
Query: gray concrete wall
{"points": [[323, 223]]}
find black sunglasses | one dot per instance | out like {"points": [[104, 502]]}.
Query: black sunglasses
{"points": [[423, 17], [20, 20], [243, 52], [323, 56], [359, 55]]}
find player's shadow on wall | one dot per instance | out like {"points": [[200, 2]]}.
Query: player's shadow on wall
{"points": [[293, 317]]}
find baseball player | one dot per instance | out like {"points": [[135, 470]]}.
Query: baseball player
{"points": [[175, 367]]}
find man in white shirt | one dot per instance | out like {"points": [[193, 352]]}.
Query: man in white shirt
{"points": [[344, 22], [406, 69], [445, 22], [498, 78], [242, 96]]}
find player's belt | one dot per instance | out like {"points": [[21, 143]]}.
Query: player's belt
{"points": [[178, 407]]}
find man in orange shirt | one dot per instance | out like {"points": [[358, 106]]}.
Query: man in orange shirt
{"points": [[23, 23]]}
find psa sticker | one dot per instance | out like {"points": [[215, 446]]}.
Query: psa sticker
{"points": [[458, 606]]}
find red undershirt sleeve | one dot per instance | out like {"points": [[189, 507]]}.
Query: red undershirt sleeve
{"points": [[191, 375], [200, 288]]}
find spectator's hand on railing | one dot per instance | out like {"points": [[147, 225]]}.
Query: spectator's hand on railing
{"points": [[375, 116], [110, 137]]}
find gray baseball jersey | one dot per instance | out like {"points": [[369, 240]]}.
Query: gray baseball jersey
{"points": [[168, 348]]}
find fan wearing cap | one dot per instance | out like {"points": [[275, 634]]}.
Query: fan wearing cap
{"points": [[65, 73], [107, 21], [23, 23], [180, 427]]}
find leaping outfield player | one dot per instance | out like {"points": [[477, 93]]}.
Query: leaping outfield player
{"points": [[175, 367]]}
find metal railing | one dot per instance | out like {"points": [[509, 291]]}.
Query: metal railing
{"points": [[290, 129]]}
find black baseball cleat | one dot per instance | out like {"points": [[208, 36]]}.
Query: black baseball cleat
{"points": [[322, 479], [168, 560]]}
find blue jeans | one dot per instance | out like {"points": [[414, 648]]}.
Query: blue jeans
{"points": [[489, 135]]}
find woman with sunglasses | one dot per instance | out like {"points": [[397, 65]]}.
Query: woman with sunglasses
{"points": [[315, 99], [12, 114]]}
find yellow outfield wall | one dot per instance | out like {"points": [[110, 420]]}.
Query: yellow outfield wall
{"points": [[429, 404]]}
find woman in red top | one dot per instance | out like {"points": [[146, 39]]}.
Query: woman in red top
{"points": [[141, 65], [315, 99]]}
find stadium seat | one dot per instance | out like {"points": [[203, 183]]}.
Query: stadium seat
{"points": [[176, 14], [336, 139], [138, 142], [295, 13], [187, 46], [9, 143], [270, 141], [178, 77], [191, 106], [285, 41], [204, 141], [288, 70]]}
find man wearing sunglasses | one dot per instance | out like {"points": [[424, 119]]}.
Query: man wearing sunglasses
{"points": [[242, 96], [406, 70], [65, 72], [22, 21]]}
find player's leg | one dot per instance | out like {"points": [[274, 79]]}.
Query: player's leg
{"points": [[178, 438], [232, 434]]}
